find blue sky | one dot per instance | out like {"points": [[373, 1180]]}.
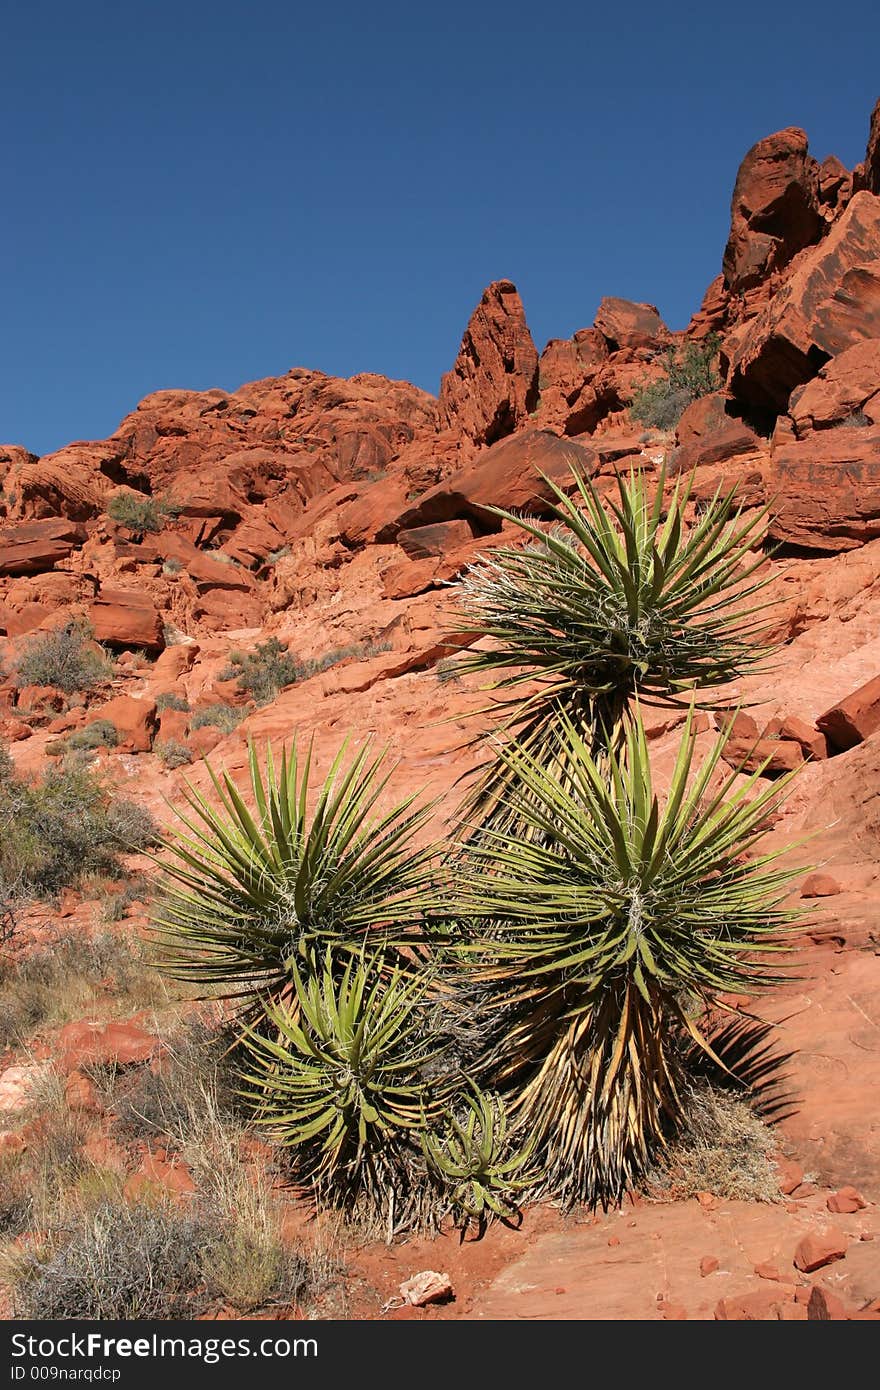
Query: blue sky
{"points": [[198, 194]]}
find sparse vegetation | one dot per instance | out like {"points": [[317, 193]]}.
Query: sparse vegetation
{"points": [[219, 716], [139, 513], [55, 832], [270, 668], [172, 753], [690, 373], [722, 1147], [65, 658], [171, 565], [55, 981], [101, 733], [169, 699], [856, 420], [275, 555]]}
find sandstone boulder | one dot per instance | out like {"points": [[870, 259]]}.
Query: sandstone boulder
{"points": [[853, 719], [624, 323], [506, 475], [830, 302], [774, 211], [706, 433], [33, 547], [125, 618], [134, 721], [423, 542], [493, 384], [848, 384], [825, 490]]}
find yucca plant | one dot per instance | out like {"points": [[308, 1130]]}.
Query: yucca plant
{"points": [[343, 1079], [608, 931], [472, 1160], [617, 598], [250, 893]]}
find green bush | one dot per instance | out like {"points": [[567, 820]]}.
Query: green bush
{"points": [[64, 659], [172, 753], [690, 374], [100, 734], [55, 832], [138, 513], [219, 716], [169, 699], [270, 668], [265, 671]]}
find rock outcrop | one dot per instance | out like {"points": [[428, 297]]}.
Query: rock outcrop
{"points": [[830, 302], [774, 211], [493, 385]]}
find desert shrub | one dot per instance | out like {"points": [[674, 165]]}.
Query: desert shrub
{"points": [[690, 373], [55, 832], [115, 905], [169, 699], [275, 555], [172, 753], [172, 565], [270, 668], [198, 1062], [117, 1262], [55, 981], [219, 716], [265, 671], [514, 1014], [63, 658], [102, 733], [138, 513]]}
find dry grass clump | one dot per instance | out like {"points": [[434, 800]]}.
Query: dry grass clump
{"points": [[723, 1147], [99, 1257], [58, 980]]}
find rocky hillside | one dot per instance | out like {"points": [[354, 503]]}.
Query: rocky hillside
{"points": [[337, 516]]}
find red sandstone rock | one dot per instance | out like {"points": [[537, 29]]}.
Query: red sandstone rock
{"points": [[820, 886], [849, 383], [493, 385], [846, 1201], [508, 476], [708, 1265], [825, 490], [854, 719], [155, 1173], [830, 302], [134, 720], [204, 740], [746, 750], [626, 324], [123, 618], [790, 1174], [568, 366], [104, 1152], [819, 1248], [30, 547], [175, 661], [118, 1041], [813, 743], [763, 1305], [824, 1306], [422, 542], [872, 156], [707, 434], [774, 210]]}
